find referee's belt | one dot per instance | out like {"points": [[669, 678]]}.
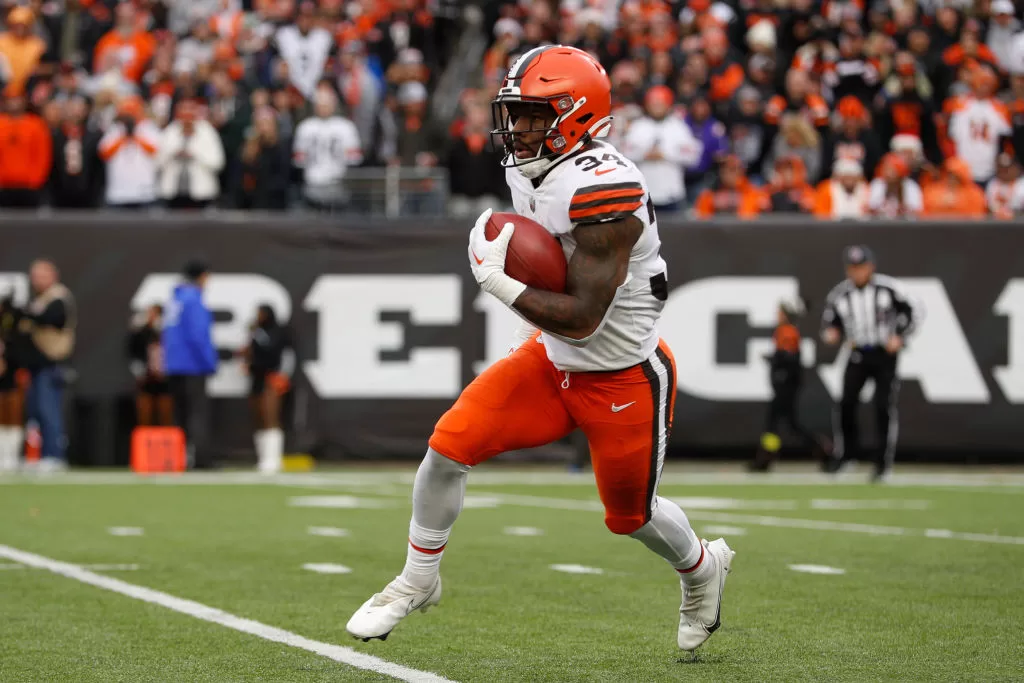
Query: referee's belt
{"points": [[867, 348]]}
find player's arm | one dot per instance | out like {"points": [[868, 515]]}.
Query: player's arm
{"points": [[596, 270], [831, 322]]}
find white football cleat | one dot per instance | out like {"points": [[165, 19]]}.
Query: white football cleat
{"points": [[381, 613], [702, 605]]}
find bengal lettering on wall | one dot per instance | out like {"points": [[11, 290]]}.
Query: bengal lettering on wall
{"points": [[390, 324]]}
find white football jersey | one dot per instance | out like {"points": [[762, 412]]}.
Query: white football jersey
{"points": [[306, 56], [325, 148], [975, 128], [593, 186]]}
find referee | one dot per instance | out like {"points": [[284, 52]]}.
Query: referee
{"points": [[872, 313]]}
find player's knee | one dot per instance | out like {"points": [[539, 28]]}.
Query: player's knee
{"points": [[624, 525]]}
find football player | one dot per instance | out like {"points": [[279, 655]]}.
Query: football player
{"points": [[590, 358]]}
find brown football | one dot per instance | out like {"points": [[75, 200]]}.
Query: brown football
{"points": [[534, 256]]}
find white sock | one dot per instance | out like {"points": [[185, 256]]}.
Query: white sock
{"points": [[259, 439], [273, 445], [436, 502], [670, 535], [7, 455]]}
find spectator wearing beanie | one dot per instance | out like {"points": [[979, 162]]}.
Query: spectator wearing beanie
{"points": [[730, 194], [129, 149], [22, 51], [189, 160], [893, 193], [1001, 30], [855, 139], [844, 195], [1005, 194], [955, 195], [661, 145]]}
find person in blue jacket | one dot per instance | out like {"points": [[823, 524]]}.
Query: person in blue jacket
{"points": [[189, 358]]}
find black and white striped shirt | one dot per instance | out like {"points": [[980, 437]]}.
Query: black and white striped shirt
{"points": [[868, 316]]}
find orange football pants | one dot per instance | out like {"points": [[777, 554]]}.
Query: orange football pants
{"points": [[523, 401]]}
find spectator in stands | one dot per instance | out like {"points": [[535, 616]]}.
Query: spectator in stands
{"points": [[231, 114], [129, 149], [325, 146], [197, 48], [724, 66], [711, 135], [855, 139], [361, 94], [507, 32], [77, 175], [788, 190], [796, 137], [662, 145], [1014, 100], [844, 195], [49, 321], [21, 50], [189, 160], [731, 194], [853, 74], [979, 126], [415, 137], [1005, 194], [799, 99], [893, 193], [304, 48], [474, 166], [74, 30], [128, 48], [905, 107], [747, 129], [1001, 30], [955, 195], [261, 181], [26, 155]]}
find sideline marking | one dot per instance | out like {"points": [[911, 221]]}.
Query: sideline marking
{"points": [[328, 531], [576, 569], [338, 653], [327, 568], [125, 531]]}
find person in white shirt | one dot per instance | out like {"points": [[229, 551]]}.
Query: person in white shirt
{"points": [[844, 195], [190, 160], [325, 146], [979, 124], [893, 193], [1004, 196], [129, 149], [1002, 29], [661, 144], [305, 49]]}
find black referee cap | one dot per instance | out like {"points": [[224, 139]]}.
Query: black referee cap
{"points": [[195, 268], [858, 255]]}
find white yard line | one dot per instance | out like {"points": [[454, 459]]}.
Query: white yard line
{"points": [[343, 655]]}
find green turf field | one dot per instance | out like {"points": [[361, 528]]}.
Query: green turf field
{"points": [[932, 589]]}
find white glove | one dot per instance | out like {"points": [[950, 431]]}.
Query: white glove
{"points": [[487, 260]]}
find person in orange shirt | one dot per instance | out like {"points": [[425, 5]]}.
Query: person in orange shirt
{"points": [[731, 194], [26, 155], [127, 47], [21, 50], [956, 195], [844, 195]]}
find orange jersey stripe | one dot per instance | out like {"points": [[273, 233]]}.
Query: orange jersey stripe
{"points": [[605, 194], [626, 207]]}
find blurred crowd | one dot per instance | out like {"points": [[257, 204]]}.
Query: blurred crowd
{"points": [[838, 108]]}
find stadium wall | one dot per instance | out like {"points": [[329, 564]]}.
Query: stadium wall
{"points": [[390, 324]]}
